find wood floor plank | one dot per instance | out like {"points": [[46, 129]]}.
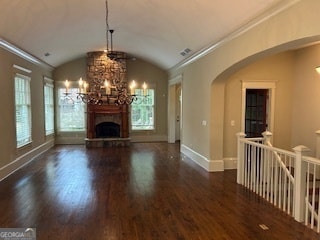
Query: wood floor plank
{"points": [[145, 191]]}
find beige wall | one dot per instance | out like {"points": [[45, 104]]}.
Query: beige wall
{"points": [[278, 68], [12, 158], [306, 98], [290, 28], [137, 70], [72, 71], [142, 71], [297, 115]]}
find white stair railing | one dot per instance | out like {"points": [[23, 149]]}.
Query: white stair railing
{"points": [[267, 171], [288, 180]]}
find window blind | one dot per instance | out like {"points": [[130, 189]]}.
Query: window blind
{"points": [[23, 109], [49, 107], [71, 111]]}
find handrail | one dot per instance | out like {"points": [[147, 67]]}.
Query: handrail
{"points": [[311, 160], [282, 165], [248, 140]]}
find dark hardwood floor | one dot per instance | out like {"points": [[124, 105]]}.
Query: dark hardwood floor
{"points": [[145, 191]]}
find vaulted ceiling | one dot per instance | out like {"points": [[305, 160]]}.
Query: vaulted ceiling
{"points": [[57, 31]]}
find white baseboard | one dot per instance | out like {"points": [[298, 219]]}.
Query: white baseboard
{"points": [[209, 165], [19, 162], [230, 163]]}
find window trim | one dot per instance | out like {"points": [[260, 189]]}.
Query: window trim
{"points": [[29, 141], [60, 85], [154, 113], [48, 82]]}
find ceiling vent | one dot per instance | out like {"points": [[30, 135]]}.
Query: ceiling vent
{"points": [[185, 52]]}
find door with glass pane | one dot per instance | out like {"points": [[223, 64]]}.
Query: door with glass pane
{"points": [[256, 112]]}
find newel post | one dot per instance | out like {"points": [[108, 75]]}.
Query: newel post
{"points": [[300, 176], [240, 162], [267, 137], [318, 144]]}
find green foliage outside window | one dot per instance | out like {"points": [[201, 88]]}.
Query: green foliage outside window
{"points": [[71, 111], [142, 111]]}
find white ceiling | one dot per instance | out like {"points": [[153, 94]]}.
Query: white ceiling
{"points": [[153, 30]]}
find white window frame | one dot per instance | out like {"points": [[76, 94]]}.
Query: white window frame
{"points": [[48, 88], [139, 92], [72, 99], [23, 100]]}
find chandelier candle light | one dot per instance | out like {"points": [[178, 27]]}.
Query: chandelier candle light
{"points": [[82, 86], [67, 86], [105, 93]]}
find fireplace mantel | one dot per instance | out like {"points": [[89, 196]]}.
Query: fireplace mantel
{"points": [[94, 111]]}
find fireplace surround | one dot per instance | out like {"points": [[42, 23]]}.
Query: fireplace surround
{"points": [[113, 114], [110, 120], [99, 115]]}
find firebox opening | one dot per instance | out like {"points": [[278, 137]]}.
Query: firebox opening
{"points": [[107, 130]]}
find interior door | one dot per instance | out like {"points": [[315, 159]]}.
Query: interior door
{"points": [[256, 112]]}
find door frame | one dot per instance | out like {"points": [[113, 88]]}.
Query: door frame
{"points": [[259, 84], [172, 108]]}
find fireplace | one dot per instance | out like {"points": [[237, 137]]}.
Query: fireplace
{"points": [[111, 114], [107, 124], [107, 130]]}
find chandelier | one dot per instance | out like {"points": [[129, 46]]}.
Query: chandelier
{"points": [[109, 84]]}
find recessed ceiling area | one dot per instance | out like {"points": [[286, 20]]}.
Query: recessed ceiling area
{"points": [[156, 31]]}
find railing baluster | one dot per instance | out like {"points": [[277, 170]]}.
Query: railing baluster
{"points": [[248, 153], [281, 182], [277, 183], [285, 189], [318, 192], [307, 195], [261, 171], [255, 166], [269, 176], [272, 179], [289, 188], [251, 167], [265, 170], [313, 193]]}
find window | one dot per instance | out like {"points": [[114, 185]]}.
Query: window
{"points": [[71, 111], [48, 106], [142, 111], [23, 109]]}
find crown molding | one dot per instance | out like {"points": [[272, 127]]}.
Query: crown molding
{"points": [[256, 21], [23, 54]]}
